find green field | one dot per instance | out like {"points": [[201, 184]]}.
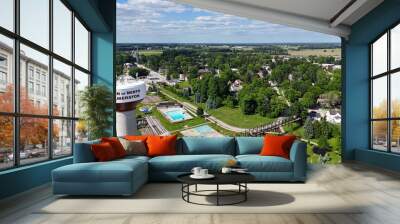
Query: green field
{"points": [[175, 96], [234, 117], [184, 84], [150, 52], [335, 52]]}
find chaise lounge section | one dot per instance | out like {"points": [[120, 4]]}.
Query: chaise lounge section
{"points": [[125, 176]]}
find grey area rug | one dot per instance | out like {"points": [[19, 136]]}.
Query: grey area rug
{"points": [[166, 198]]}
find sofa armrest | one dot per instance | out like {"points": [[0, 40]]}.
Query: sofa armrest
{"points": [[83, 152], [298, 155]]}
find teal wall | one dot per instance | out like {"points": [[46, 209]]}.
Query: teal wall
{"points": [[24, 178], [103, 52], [356, 100], [99, 15]]}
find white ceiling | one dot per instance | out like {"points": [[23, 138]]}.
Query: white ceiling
{"points": [[314, 15], [322, 9]]}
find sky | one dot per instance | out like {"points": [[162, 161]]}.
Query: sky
{"points": [[35, 27], [164, 21]]}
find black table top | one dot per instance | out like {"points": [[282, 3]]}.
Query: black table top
{"points": [[220, 178]]}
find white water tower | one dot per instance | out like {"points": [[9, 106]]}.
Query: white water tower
{"points": [[129, 93]]}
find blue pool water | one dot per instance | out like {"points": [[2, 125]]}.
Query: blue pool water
{"points": [[176, 115]]}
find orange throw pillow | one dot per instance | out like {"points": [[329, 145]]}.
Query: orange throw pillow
{"points": [[136, 138], [116, 145], [161, 145], [103, 152], [277, 145]]}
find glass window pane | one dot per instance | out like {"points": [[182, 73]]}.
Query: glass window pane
{"points": [[379, 98], [7, 14], [81, 82], [81, 45], [6, 142], [395, 95], [395, 47], [379, 56], [35, 21], [33, 139], [379, 135], [395, 136], [6, 74], [34, 72], [81, 131], [62, 29], [62, 138], [62, 89]]}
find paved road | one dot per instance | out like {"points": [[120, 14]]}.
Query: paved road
{"points": [[153, 76]]}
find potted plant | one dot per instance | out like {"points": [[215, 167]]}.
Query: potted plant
{"points": [[96, 103]]}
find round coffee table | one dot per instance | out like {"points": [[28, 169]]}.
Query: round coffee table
{"points": [[238, 179]]}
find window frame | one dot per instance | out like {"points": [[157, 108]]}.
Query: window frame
{"points": [[388, 74], [16, 114]]}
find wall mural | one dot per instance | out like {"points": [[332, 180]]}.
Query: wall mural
{"points": [[240, 90]]}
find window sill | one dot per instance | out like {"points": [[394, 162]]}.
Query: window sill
{"points": [[377, 158], [30, 166]]}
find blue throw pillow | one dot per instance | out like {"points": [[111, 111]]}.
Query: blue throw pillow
{"points": [[207, 145], [249, 145]]}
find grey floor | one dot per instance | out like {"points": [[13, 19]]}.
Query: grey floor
{"points": [[377, 188]]}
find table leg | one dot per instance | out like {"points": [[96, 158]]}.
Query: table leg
{"points": [[182, 190], [217, 194], [188, 190], [245, 193]]}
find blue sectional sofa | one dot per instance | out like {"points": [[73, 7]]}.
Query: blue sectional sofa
{"points": [[125, 176]]}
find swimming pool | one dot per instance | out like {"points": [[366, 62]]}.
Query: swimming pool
{"points": [[175, 114]]}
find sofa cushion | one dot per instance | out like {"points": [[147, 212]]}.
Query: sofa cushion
{"points": [[249, 145], [257, 163], [161, 145], [83, 152], [116, 145], [185, 163], [277, 145], [134, 147], [112, 171], [103, 152], [207, 145], [142, 138], [132, 158]]}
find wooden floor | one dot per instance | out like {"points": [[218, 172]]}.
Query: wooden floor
{"points": [[379, 189]]}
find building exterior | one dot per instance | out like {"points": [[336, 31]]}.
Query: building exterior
{"points": [[332, 116], [5, 66], [34, 80], [183, 77], [236, 86]]}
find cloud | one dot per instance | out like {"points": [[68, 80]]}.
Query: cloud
{"points": [[167, 21], [151, 6]]}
